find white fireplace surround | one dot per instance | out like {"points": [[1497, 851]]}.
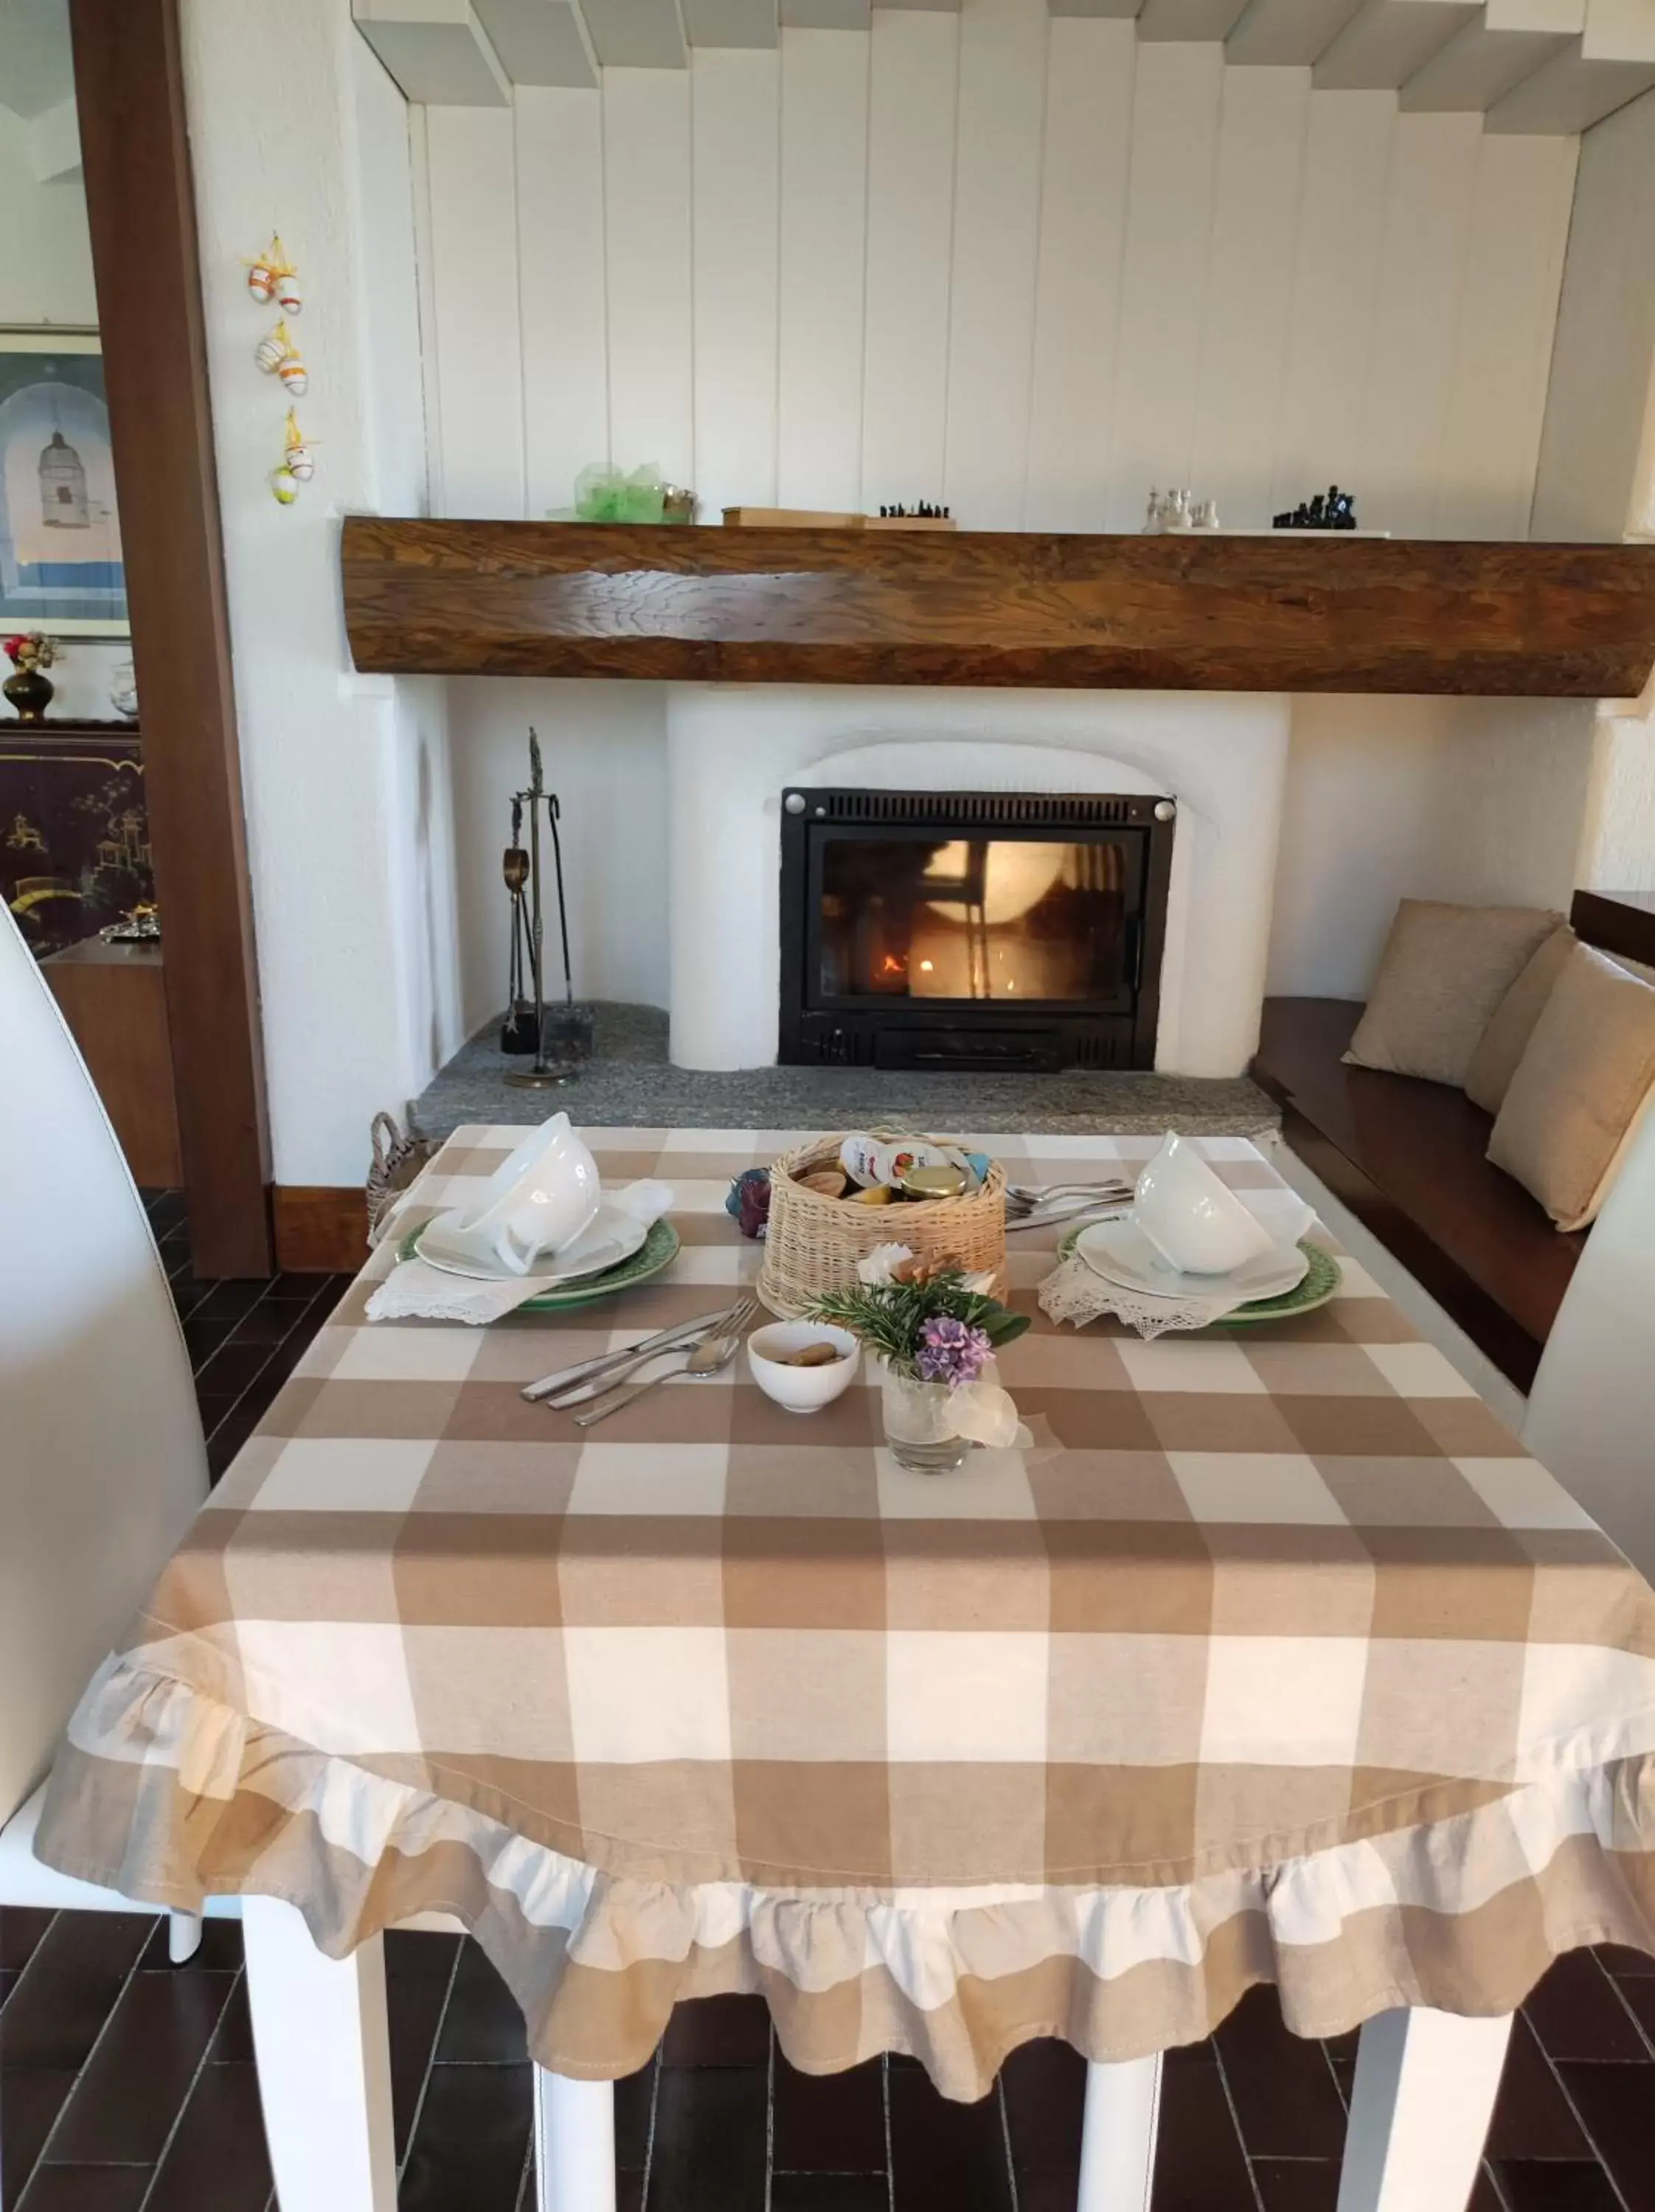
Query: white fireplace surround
{"points": [[732, 750]]}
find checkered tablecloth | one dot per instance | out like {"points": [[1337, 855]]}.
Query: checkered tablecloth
{"points": [[1275, 1658]]}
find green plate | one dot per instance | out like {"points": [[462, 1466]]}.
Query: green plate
{"points": [[1320, 1283], [659, 1249]]}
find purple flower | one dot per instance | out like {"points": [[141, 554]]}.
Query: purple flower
{"points": [[950, 1351]]}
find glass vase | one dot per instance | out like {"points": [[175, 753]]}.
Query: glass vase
{"points": [[919, 1424]]}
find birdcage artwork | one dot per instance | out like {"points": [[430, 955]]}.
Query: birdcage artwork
{"points": [[62, 486]]}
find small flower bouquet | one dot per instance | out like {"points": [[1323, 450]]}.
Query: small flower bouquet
{"points": [[29, 650], [936, 1330]]}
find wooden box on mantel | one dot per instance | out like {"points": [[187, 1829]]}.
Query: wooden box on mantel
{"points": [[790, 518], [807, 518]]}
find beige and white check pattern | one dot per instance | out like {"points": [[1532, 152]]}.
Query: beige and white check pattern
{"points": [[1275, 1658]]}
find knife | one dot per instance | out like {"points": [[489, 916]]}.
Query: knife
{"points": [[583, 1370]]}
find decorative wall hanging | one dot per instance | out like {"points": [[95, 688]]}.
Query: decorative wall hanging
{"points": [[60, 547], [272, 276], [278, 355], [300, 461], [297, 466]]}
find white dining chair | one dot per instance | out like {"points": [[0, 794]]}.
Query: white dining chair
{"points": [[1591, 1413], [102, 1465], [102, 1457]]}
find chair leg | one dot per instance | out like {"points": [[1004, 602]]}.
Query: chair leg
{"points": [[1117, 2135], [574, 2144], [320, 2037], [1424, 2090], [183, 1936]]}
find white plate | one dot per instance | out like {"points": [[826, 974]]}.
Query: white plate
{"points": [[1119, 1251], [613, 1236]]}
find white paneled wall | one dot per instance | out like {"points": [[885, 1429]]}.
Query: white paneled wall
{"points": [[1026, 265], [1023, 264]]}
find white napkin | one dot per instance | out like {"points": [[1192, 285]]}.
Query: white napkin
{"points": [[414, 1291], [1073, 1291]]}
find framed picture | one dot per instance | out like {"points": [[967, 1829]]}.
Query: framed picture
{"points": [[60, 546]]}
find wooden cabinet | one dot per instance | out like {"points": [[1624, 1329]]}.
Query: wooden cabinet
{"points": [[114, 999]]}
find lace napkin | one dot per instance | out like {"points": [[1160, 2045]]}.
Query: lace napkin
{"points": [[415, 1291], [1076, 1293]]}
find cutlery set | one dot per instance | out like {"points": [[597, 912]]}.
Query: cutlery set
{"points": [[1030, 1206], [707, 1343]]}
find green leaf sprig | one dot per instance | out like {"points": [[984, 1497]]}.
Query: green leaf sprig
{"points": [[888, 1318]]}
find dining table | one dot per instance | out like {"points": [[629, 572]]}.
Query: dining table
{"points": [[1265, 1654]]}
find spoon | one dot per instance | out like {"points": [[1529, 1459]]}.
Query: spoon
{"points": [[706, 1359]]}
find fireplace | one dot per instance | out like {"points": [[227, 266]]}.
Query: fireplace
{"points": [[1016, 932]]}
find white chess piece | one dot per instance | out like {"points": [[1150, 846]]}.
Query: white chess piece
{"points": [[1153, 522], [1178, 506], [1207, 515]]}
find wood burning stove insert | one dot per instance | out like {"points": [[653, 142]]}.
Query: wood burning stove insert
{"points": [[1012, 932]]}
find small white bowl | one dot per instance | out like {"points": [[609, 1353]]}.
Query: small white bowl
{"points": [[801, 1390]]}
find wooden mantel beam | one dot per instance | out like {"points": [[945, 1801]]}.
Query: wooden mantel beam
{"points": [[1286, 612]]}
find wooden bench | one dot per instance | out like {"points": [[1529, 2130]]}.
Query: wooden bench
{"points": [[1407, 1159]]}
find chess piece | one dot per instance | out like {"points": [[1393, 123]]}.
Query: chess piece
{"points": [[1206, 517], [1152, 513]]}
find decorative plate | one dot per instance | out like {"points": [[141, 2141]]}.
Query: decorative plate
{"points": [[1320, 1283], [659, 1249]]}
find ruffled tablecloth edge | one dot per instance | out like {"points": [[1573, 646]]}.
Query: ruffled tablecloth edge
{"points": [[166, 1796]]}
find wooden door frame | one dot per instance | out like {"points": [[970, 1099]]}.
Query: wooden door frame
{"points": [[129, 86]]}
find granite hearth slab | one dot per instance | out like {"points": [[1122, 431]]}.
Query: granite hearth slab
{"points": [[631, 1083]]}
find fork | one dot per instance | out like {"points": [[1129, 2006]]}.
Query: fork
{"points": [[594, 1385], [1022, 1200], [709, 1358]]}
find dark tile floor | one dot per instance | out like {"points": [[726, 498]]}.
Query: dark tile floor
{"points": [[128, 2086]]}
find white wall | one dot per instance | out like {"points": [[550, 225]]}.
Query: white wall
{"points": [[1408, 798], [346, 779], [1597, 454], [605, 748], [1600, 382], [1027, 265], [1023, 264]]}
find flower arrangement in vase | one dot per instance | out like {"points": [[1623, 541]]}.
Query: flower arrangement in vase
{"points": [[935, 1330], [28, 687]]}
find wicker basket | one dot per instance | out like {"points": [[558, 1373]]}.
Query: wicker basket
{"points": [[813, 1243]]}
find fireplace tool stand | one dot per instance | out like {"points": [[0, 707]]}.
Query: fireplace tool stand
{"points": [[562, 1034]]}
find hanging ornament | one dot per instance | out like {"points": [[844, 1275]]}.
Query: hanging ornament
{"points": [[299, 461], [289, 297], [285, 485], [269, 275], [273, 349], [294, 374]]}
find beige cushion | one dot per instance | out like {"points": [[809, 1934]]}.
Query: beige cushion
{"points": [[1494, 1062], [1445, 971], [1503, 1042], [1580, 1089]]}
